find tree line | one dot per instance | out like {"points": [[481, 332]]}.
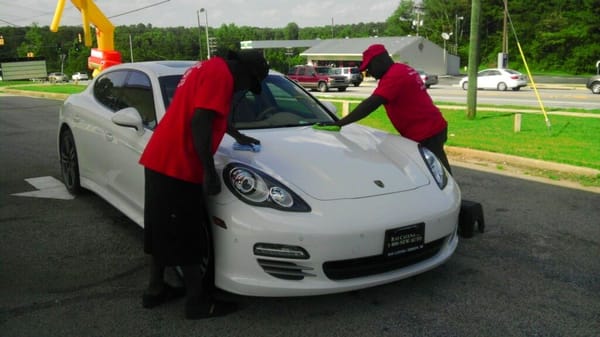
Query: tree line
{"points": [[558, 36]]}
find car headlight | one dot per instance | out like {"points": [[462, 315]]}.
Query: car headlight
{"points": [[259, 189], [435, 167]]}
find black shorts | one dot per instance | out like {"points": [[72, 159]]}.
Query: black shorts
{"points": [[176, 230]]}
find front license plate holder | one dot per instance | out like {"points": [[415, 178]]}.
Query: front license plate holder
{"points": [[404, 239]]}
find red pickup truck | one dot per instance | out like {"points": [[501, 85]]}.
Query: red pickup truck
{"points": [[309, 78]]}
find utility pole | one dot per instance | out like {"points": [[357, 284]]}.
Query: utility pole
{"points": [[199, 37], [473, 59], [505, 29]]}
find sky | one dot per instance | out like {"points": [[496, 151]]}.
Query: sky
{"points": [[176, 13]]}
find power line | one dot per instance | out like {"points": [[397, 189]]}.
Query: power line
{"points": [[139, 9]]}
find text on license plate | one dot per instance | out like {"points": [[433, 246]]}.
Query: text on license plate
{"points": [[403, 240]]}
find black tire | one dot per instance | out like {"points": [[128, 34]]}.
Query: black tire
{"points": [[465, 85], [322, 87], [69, 165], [342, 88], [502, 86], [595, 88], [356, 84]]}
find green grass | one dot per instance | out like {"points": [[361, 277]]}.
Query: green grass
{"points": [[57, 88], [569, 140]]}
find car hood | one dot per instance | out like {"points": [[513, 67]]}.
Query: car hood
{"points": [[354, 163]]}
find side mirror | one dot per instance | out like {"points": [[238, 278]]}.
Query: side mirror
{"points": [[130, 118]]}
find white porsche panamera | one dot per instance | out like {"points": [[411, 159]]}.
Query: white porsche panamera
{"points": [[313, 212]]}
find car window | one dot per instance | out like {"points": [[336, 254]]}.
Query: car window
{"points": [[281, 103], [137, 93], [168, 85], [108, 87], [121, 89]]}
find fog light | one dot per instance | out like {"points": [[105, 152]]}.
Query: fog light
{"points": [[281, 251]]}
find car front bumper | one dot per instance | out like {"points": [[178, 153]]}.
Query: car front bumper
{"points": [[344, 240]]}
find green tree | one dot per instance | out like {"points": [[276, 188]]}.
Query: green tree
{"points": [[33, 42]]}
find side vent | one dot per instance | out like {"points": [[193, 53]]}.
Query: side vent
{"points": [[285, 270]]}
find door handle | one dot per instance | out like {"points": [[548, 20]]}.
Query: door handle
{"points": [[109, 136]]}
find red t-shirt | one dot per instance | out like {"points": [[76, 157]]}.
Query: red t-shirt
{"points": [[409, 107], [170, 151]]}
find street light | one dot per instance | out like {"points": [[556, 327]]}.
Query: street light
{"points": [[446, 37], [206, 17], [199, 36], [456, 33]]}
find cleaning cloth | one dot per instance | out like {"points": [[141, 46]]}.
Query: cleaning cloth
{"points": [[334, 128], [246, 147]]}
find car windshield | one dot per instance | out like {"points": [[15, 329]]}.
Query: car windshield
{"points": [[282, 103]]}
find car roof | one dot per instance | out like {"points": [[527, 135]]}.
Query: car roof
{"points": [[162, 68], [159, 68]]}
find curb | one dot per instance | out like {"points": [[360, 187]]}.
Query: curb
{"points": [[34, 93], [517, 167]]}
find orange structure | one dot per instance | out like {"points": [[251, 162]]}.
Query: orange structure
{"points": [[104, 56]]}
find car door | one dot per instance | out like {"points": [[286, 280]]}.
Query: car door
{"points": [[92, 127], [306, 78], [492, 78], [125, 176]]}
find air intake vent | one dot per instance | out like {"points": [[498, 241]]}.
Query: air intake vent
{"points": [[366, 266], [284, 270]]}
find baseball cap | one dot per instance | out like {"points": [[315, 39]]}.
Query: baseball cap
{"points": [[370, 53]]}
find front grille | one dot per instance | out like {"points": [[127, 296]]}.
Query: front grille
{"points": [[372, 265], [284, 270]]}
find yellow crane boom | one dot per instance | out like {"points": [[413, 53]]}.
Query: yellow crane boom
{"points": [[104, 56]]}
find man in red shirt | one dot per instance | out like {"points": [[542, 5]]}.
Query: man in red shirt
{"points": [[408, 105], [179, 169]]}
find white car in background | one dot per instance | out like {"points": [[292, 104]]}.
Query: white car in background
{"points": [[79, 76], [313, 212], [497, 79]]}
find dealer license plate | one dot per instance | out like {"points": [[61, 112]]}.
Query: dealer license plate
{"points": [[403, 240]]}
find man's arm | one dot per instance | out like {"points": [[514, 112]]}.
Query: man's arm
{"points": [[240, 137], [202, 136], [362, 110]]}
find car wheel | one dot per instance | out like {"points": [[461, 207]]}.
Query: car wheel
{"points": [[596, 87], [516, 88], [69, 165], [356, 84], [502, 86], [465, 85], [322, 87], [342, 88]]}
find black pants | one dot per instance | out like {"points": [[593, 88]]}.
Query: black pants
{"points": [[435, 144], [176, 228]]}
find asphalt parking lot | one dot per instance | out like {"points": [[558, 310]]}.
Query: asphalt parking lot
{"points": [[75, 267]]}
